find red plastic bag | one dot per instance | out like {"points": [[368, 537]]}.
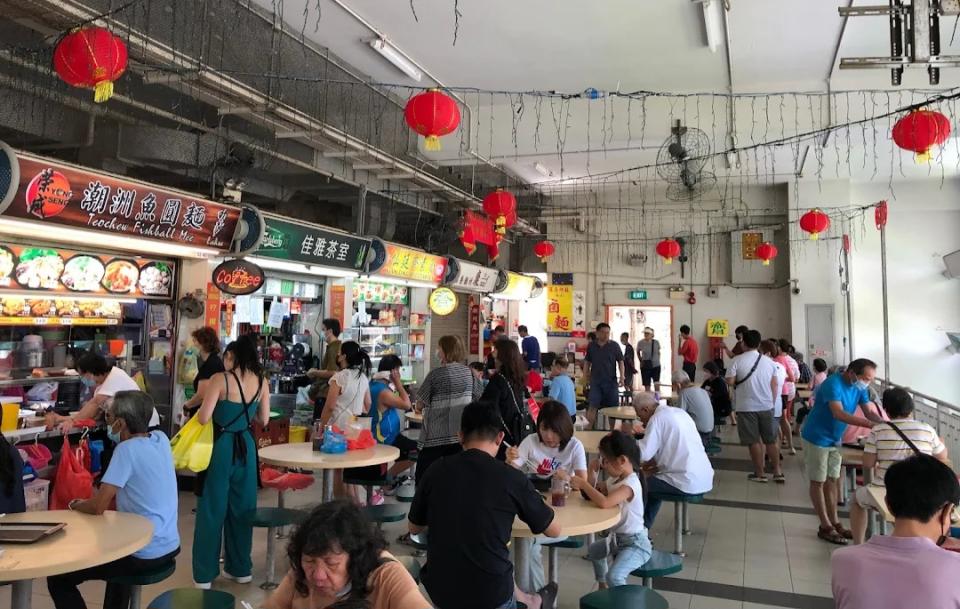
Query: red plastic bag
{"points": [[534, 407], [364, 440], [72, 480]]}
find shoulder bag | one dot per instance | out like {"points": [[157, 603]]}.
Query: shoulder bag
{"points": [[749, 374], [522, 424]]}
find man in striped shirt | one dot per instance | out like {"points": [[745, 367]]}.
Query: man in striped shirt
{"points": [[884, 447]]}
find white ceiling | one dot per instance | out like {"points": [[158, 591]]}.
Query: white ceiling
{"points": [[570, 45]]}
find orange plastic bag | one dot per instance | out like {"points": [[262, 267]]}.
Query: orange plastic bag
{"points": [[362, 441], [72, 480]]}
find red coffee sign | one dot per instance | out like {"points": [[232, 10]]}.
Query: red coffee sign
{"points": [[57, 193], [238, 277]]}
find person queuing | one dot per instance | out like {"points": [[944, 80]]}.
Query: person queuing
{"points": [[328, 365], [337, 559], [211, 364], [695, 401], [648, 351], [672, 453], [442, 397], [754, 380], [629, 362], [561, 386], [12, 500], [507, 392], [467, 504], [819, 373], [739, 333], [837, 400], [906, 569], [530, 348], [551, 452], [689, 352], [629, 545], [142, 480], [106, 381], [770, 349], [601, 364], [233, 400], [890, 442], [491, 366], [789, 391], [719, 391]]}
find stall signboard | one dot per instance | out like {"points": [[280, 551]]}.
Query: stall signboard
{"points": [[311, 244], [386, 293], [516, 287], [238, 277], [338, 304], [55, 193], [474, 314], [559, 310], [718, 328], [211, 318], [469, 277], [405, 263], [579, 314], [443, 301], [70, 272], [59, 311], [749, 242]]}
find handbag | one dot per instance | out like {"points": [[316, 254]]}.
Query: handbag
{"points": [[523, 423], [192, 446]]}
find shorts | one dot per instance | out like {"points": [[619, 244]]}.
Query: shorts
{"points": [[756, 427], [865, 499], [604, 394], [821, 462], [650, 374]]}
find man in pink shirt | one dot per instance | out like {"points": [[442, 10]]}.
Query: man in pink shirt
{"points": [[906, 569]]}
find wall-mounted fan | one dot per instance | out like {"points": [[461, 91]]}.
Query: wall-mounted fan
{"points": [[681, 161], [190, 306]]}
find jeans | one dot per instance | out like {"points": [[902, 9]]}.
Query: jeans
{"points": [[533, 580], [656, 487], [510, 604], [63, 588], [630, 552]]}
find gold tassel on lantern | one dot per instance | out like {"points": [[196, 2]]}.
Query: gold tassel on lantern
{"points": [[103, 91], [431, 143], [501, 225]]}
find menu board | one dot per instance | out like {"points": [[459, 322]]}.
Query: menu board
{"points": [[57, 193], [312, 245], [405, 263], [66, 271], [16, 310], [517, 287], [387, 293], [470, 277]]}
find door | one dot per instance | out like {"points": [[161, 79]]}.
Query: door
{"points": [[820, 333], [633, 319]]}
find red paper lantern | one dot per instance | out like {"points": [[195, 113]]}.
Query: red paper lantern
{"points": [[432, 114], [501, 207], [544, 250], [668, 249], [766, 251], [921, 130], [468, 240], [91, 58], [815, 222], [880, 214]]}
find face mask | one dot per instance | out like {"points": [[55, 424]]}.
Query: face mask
{"points": [[945, 515], [114, 436], [862, 384], [88, 382]]}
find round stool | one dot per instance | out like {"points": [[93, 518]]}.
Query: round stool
{"points": [[553, 556], [272, 519], [191, 598], [680, 515], [388, 512], [624, 597], [660, 564], [136, 582]]}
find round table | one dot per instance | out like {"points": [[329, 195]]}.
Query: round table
{"points": [[87, 541], [623, 413], [301, 455], [590, 440], [414, 417], [577, 517]]}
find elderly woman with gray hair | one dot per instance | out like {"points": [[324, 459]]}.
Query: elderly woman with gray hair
{"points": [[142, 479]]}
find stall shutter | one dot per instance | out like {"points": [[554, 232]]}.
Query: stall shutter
{"points": [[455, 324]]}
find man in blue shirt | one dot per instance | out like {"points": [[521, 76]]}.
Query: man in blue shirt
{"points": [[530, 347], [561, 385], [604, 359], [836, 401]]}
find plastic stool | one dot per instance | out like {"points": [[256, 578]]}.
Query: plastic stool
{"points": [[624, 597], [136, 582], [388, 512], [553, 556], [660, 564], [680, 516], [272, 519], [191, 598], [283, 482], [713, 449]]}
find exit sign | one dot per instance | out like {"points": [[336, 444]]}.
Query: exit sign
{"points": [[638, 294]]}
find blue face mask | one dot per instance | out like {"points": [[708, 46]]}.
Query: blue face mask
{"points": [[88, 382], [114, 436], [862, 384]]}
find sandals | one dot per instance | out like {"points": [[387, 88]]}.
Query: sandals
{"points": [[548, 596], [842, 531], [830, 534], [756, 478]]}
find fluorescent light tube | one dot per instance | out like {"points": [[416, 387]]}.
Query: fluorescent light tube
{"points": [[396, 57]]}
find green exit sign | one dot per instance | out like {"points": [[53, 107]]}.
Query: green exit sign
{"points": [[638, 294]]}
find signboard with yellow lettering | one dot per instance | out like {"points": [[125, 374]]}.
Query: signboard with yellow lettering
{"points": [[718, 328], [443, 301], [559, 310]]}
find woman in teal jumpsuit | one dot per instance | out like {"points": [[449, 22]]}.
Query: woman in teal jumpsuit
{"points": [[232, 401]]}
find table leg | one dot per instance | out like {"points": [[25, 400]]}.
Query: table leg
{"points": [[22, 594], [521, 558], [678, 528], [327, 485], [844, 484]]}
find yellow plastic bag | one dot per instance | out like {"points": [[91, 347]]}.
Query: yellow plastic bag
{"points": [[192, 447]]}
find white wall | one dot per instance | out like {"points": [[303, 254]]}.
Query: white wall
{"points": [[923, 226]]}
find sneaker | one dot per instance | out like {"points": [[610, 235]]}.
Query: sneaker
{"points": [[200, 586], [756, 478], [246, 579]]}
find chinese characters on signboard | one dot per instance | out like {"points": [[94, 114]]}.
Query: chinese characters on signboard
{"points": [[474, 278], [413, 264], [61, 194], [338, 298], [312, 245], [749, 243], [718, 328], [559, 310], [474, 314]]}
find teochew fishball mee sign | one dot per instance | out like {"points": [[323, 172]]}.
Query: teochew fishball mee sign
{"points": [[51, 192]]}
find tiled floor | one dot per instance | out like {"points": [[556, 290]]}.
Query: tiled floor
{"points": [[737, 556]]}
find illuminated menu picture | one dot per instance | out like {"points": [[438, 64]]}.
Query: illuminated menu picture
{"points": [[65, 271], [386, 293], [16, 310], [413, 264]]}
